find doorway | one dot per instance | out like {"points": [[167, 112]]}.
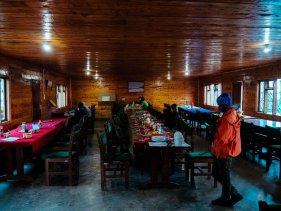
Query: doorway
{"points": [[237, 93], [35, 90]]}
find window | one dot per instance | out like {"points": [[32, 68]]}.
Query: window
{"points": [[211, 93], [270, 97], [4, 99], [61, 96]]}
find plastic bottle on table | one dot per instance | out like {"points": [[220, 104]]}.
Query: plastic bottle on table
{"points": [[23, 126], [160, 129]]}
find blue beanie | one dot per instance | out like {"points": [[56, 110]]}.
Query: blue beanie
{"points": [[224, 100]]}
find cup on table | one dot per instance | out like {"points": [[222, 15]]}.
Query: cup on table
{"points": [[7, 134]]}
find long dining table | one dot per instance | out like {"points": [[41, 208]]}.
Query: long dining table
{"points": [[263, 122], [16, 146], [158, 151]]}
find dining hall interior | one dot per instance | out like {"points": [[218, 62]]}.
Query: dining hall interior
{"points": [[89, 89]]}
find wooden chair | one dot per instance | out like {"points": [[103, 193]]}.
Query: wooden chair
{"points": [[179, 156], [84, 135], [113, 141], [273, 147], [264, 206], [64, 160], [252, 140], [202, 122], [79, 144], [112, 165], [199, 163]]}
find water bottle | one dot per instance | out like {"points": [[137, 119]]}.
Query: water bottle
{"points": [[23, 126], [160, 129]]}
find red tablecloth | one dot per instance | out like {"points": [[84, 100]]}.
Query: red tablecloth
{"points": [[38, 139]]}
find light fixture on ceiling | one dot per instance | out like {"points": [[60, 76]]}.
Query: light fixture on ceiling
{"points": [[267, 48], [46, 47], [47, 20], [169, 75], [96, 75], [88, 73], [88, 66], [186, 72]]}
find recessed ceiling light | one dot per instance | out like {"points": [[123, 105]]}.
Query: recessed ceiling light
{"points": [[47, 47], [87, 73], [169, 75], [267, 48], [96, 76]]}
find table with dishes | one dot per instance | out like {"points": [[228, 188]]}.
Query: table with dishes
{"points": [[31, 140], [158, 140]]}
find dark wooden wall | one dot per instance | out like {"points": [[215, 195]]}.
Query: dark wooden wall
{"points": [[157, 92], [19, 74], [250, 78]]}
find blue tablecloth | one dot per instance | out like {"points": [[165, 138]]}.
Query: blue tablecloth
{"points": [[194, 110]]}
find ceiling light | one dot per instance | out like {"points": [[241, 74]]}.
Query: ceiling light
{"points": [[266, 35], [169, 75], [46, 47], [47, 35], [87, 73], [267, 48], [186, 73], [96, 76]]}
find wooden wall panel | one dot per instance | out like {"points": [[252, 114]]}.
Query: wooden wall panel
{"points": [[250, 78], [157, 92], [19, 75]]}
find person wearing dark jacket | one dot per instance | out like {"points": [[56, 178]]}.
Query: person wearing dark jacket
{"points": [[174, 117], [80, 112], [227, 144]]}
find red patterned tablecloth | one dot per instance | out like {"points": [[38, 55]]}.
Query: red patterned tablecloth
{"points": [[38, 139]]}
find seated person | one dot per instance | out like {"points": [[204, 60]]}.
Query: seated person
{"points": [[167, 114], [144, 104], [80, 112], [87, 109], [174, 116], [74, 116]]}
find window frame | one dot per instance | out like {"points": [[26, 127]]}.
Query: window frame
{"points": [[211, 92], [61, 88], [6, 100], [267, 88]]}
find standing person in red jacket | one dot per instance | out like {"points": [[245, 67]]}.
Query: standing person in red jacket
{"points": [[227, 144]]}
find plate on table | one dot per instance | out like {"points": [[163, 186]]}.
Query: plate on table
{"points": [[158, 138]]}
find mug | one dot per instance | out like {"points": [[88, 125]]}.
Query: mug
{"points": [[7, 134]]}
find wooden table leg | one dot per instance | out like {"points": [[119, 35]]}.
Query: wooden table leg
{"points": [[9, 162], [154, 159], [154, 168], [20, 161], [166, 153]]}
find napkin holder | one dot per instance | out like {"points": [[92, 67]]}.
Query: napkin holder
{"points": [[27, 135]]}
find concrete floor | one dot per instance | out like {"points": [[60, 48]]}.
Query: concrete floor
{"points": [[250, 179]]}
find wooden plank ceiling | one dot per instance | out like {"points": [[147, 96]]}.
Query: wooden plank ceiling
{"points": [[129, 37]]}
